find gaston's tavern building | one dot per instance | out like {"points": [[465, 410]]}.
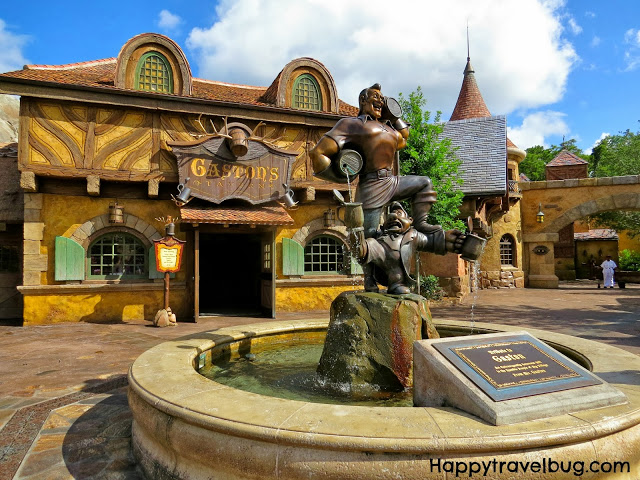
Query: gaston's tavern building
{"points": [[108, 150]]}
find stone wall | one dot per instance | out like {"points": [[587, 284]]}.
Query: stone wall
{"points": [[502, 279]]}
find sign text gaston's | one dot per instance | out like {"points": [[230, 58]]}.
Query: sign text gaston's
{"points": [[213, 173]]}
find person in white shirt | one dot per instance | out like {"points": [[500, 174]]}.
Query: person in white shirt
{"points": [[608, 267]]}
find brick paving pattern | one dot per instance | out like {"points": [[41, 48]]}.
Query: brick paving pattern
{"points": [[68, 418]]}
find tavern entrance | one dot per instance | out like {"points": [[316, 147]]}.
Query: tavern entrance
{"points": [[233, 277]]}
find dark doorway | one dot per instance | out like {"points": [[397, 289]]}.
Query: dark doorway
{"points": [[230, 274]]}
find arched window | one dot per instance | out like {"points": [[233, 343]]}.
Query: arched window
{"points": [[325, 254], [507, 251], [117, 255], [306, 93], [154, 73]]}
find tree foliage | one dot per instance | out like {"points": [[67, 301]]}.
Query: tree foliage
{"points": [[428, 153], [617, 155]]}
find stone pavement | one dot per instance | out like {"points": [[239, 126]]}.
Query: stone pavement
{"points": [[63, 408]]}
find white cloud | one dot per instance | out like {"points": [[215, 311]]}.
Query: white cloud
{"points": [[632, 54], [536, 127], [596, 143], [168, 21], [518, 50], [575, 28], [595, 41], [11, 46], [590, 14]]}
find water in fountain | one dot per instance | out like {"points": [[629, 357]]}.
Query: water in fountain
{"points": [[290, 373], [475, 287]]}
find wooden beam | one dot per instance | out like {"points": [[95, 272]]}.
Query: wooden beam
{"points": [[28, 182], [93, 185]]}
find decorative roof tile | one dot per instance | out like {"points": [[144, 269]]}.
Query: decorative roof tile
{"points": [[101, 73], [480, 143], [565, 157], [596, 234], [237, 215], [470, 103]]}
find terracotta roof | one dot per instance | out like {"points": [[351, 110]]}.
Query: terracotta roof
{"points": [[101, 73], [565, 157], [245, 215], [597, 234], [470, 103], [524, 178]]}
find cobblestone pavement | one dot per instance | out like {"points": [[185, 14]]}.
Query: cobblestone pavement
{"points": [[63, 408]]}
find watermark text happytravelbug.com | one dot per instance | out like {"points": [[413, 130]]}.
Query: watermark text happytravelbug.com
{"points": [[470, 469]]}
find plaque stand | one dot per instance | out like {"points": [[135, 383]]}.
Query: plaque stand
{"points": [[446, 374], [168, 253]]}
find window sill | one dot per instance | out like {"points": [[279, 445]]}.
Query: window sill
{"points": [[321, 281], [97, 287], [509, 268]]}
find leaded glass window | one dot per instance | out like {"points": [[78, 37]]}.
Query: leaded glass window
{"points": [[154, 74], [507, 251], [324, 254], [117, 255], [306, 93]]}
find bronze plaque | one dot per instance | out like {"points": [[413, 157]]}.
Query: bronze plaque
{"points": [[514, 366], [214, 173]]}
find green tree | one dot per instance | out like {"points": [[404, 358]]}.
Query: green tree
{"points": [[617, 155], [428, 153]]}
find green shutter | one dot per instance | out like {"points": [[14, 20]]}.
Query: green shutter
{"points": [[69, 260], [292, 257], [153, 271]]}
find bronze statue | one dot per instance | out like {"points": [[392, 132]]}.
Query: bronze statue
{"points": [[392, 250], [377, 135]]}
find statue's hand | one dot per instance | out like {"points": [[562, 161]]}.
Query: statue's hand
{"points": [[454, 239]]}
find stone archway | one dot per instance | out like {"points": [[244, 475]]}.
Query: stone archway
{"points": [[563, 202]]}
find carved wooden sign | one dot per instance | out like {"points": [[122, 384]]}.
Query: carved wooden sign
{"points": [[169, 254], [212, 172]]}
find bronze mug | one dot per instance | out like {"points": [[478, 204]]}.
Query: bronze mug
{"points": [[472, 247], [353, 215]]}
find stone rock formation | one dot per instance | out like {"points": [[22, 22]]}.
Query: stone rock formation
{"points": [[370, 340]]}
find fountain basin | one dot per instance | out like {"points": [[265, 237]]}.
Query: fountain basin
{"points": [[187, 426]]}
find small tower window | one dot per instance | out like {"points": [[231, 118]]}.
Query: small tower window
{"points": [[507, 251], [154, 74], [306, 93]]}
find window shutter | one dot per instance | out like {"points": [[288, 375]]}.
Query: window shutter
{"points": [[153, 271], [69, 260], [292, 257]]}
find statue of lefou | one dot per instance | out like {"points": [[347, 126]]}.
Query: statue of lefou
{"points": [[393, 249]]}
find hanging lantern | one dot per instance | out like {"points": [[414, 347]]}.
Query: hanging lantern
{"points": [[329, 218], [540, 214], [116, 213]]}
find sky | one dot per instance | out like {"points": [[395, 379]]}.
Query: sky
{"points": [[558, 69]]}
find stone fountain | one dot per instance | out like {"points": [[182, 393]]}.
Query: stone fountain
{"points": [[187, 426]]}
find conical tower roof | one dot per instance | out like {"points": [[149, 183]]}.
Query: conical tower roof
{"points": [[470, 103]]}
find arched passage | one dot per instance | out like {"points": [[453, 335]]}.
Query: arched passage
{"points": [[563, 202]]}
